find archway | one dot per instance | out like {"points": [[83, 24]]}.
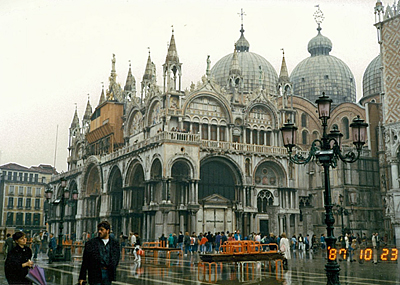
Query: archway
{"points": [[116, 200], [220, 187]]}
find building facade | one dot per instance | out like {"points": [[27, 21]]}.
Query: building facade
{"points": [[22, 200], [210, 158]]}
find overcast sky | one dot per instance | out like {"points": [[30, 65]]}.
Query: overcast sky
{"points": [[55, 53]]}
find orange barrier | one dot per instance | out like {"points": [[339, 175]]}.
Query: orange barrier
{"points": [[241, 247]]}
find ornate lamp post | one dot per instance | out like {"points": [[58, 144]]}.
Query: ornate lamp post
{"points": [[327, 151], [62, 200]]}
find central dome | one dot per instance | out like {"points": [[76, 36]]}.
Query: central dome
{"points": [[249, 64], [253, 69]]}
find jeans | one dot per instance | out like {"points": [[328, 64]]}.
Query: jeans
{"points": [[36, 248]]}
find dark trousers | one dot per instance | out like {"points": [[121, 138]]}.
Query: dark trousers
{"points": [[104, 278]]}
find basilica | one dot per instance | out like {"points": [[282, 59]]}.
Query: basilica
{"points": [[155, 158]]}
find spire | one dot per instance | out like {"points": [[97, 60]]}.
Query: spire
{"points": [[102, 96], [284, 75], [242, 44], [75, 120], [172, 55], [88, 111], [235, 68], [148, 73], [319, 18], [130, 84]]}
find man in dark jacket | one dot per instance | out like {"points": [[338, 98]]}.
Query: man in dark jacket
{"points": [[100, 257], [8, 245]]}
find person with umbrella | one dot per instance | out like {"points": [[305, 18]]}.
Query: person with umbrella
{"points": [[100, 257], [18, 261]]}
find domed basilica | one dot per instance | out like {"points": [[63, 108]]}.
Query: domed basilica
{"points": [[155, 158]]}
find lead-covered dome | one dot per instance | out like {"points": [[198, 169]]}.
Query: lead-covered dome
{"points": [[322, 72], [253, 68], [372, 79]]}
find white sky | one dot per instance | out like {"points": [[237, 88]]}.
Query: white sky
{"points": [[54, 53]]}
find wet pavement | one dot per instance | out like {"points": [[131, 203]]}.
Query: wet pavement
{"points": [[304, 268]]}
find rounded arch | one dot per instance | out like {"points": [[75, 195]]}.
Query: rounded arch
{"points": [[134, 122], [185, 159], [135, 168], [156, 169], [219, 175], [154, 112], [92, 183], [269, 173], [261, 113], [215, 103]]}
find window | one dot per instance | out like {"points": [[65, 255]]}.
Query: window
{"points": [[36, 178], [38, 191], [222, 131], [304, 120], [345, 124], [204, 132], [37, 204], [264, 199], [10, 203], [20, 177], [29, 191], [31, 177], [21, 190], [19, 203], [19, 217], [11, 190], [15, 176], [26, 177], [36, 219], [28, 219], [213, 133], [10, 219], [9, 175], [28, 203], [304, 137]]}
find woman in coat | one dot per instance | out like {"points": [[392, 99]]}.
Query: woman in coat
{"points": [[285, 249], [18, 261]]}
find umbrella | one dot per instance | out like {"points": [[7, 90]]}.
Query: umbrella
{"points": [[37, 276]]}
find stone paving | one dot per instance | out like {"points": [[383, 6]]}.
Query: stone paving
{"points": [[304, 268]]}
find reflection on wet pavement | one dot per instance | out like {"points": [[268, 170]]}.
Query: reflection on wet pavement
{"points": [[304, 268]]}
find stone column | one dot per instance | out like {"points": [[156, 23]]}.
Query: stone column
{"points": [[394, 167], [288, 234], [217, 133], [181, 222]]}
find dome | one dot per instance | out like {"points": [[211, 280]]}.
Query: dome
{"points": [[372, 79], [319, 45], [322, 72], [249, 64]]}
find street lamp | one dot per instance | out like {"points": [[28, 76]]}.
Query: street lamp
{"points": [[341, 211], [62, 200], [327, 152]]}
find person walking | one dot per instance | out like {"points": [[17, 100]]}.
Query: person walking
{"points": [[187, 243], [100, 257], [52, 247], [284, 247], [36, 241], [18, 261], [8, 245]]}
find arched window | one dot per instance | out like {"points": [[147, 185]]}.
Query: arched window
{"points": [[304, 120], [247, 166], [345, 127], [264, 199], [304, 137], [315, 135]]}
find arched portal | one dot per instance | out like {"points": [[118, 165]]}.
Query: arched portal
{"points": [[220, 187], [135, 195], [116, 200], [91, 201]]}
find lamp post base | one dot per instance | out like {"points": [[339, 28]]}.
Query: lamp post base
{"points": [[332, 273]]}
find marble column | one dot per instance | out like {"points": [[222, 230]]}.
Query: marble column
{"points": [[394, 168]]}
